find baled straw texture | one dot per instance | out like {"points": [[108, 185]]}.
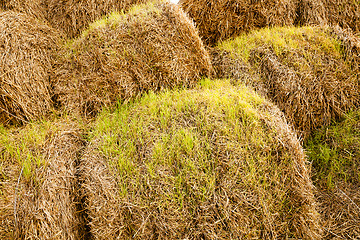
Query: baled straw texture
{"points": [[305, 71], [47, 205], [155, 46], [73, 16], [310, 12], [220, 20], [212, 163], [26, 56], [345, 13], [34, 8], [350, 44]]}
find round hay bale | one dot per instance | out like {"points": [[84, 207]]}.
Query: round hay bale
{"points": [[34, 8], [218, 162], [27, 52], [305, 71], [38, 183], [219, 20], [345, 13], [73, 16], [335, 154], [154, 46]]}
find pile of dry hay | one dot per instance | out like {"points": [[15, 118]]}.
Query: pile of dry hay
{"points": [[311, 73], [335, 154], [218, 162], [27, 50], [73, 16], [154, 46], [38, 184]]}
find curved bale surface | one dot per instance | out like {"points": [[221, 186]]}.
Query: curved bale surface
{"points": [[335, 154], [73, 16], [34, 8], [27, 54], [38, 184], [217, 162], [154, 46], [220, 20], [311, 73]]}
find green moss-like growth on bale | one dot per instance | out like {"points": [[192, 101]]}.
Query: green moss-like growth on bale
{"points": [[154, 46], [38, 184], [73, 16], [217, 162], [27, 49], [335, 154], [311, 73]]}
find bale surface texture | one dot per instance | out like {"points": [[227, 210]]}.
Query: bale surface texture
{"points": [[217, 162], [34, 8], [335, 153], [73, 16], [26, 56], [38, 184], [311, 73], [345, 13], [154, 46]]}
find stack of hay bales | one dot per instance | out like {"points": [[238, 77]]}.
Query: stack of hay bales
{"points": [[335, 153], [154, 46], [218, 162], [305, 71], [27, 50], [73, 16], [219, 20], [38, 187]]}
